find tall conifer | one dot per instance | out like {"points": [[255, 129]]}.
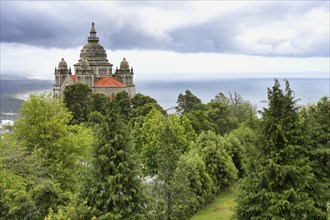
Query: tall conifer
{"points": [[115, 188], [279, 174], [316, 122]]}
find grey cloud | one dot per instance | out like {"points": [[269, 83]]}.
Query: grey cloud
{"points": [[35, 27], [69, 27], [214, 36], [219, 34], [66, 25]]}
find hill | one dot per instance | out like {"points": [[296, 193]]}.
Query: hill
{"points": [[11, 87]]}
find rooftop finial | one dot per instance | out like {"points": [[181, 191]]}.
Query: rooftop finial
{"points": [[93, 30], [92, 36]]}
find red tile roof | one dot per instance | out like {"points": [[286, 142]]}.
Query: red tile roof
{"points": [[74, 78], [108, 82]]}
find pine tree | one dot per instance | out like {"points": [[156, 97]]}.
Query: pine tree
{"points": [[316, 123], [279, 174], [114, 190]]}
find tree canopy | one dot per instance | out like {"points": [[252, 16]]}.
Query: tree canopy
{"points": [[94, 157], [277, 185]]}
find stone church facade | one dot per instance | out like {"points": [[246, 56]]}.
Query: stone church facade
{"points": [[93, 69]]}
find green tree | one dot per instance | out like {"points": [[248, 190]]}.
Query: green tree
{"points": [[141, 105], [242, 110], [76, 209], [140, 100], [237, 143], [15, 203], [47, 196], [147, 140], [124, 102], [316, 123], [172, 188], [219, 164], [95, 118], [199, 120], [43, 131], [220, 115], [3, 206], [114, 188], [275, 186], [196, 183], [19, 161], [78, 99], [227, 113], [170, 152], [99, 102], [187, 102]]}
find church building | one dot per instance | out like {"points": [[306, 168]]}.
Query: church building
{"points": [[93, 69]]}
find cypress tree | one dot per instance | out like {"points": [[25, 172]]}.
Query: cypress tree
{"points": [[276, 184], [114, 190]]}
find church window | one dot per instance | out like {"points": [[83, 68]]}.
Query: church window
{"points": [[102, 71]]}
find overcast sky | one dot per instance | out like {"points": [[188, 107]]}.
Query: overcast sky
{"points": [[171, 40]]}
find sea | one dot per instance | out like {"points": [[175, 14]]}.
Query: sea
{"points": [[254, 90]]}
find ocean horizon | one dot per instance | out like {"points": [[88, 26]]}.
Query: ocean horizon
{"points": [[306, 90], [254, 90]]}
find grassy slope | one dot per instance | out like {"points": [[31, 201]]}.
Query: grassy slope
{"points": [[221, 208]]}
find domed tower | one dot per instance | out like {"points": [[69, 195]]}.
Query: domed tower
{"points": [[85, 73], [124, 74], [60, 74], [96, 56]]}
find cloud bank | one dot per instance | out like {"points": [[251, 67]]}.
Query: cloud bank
{"points": [[278, 28]]}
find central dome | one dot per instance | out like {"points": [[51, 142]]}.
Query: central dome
{"points": [[93, 51]]}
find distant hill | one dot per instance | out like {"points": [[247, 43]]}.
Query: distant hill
{"points": [[11, 86]]}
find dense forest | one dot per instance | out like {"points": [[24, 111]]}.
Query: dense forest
{"points": [[86, 156]]}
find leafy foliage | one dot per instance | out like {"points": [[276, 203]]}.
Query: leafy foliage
{"points": [[147, 141], [124, 102], [187, 102], [219, 164], [99, 103], [76, 209], [84, 162], [78, 99], [44, 131], [141, 105], [192, 169]]}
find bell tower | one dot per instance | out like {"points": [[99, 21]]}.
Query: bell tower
{"points": [[85, 73], [60, 75], [124, 74], [61, 72]]}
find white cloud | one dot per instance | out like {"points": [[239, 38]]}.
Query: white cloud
{"points": [[155, 65], [299, 34]]}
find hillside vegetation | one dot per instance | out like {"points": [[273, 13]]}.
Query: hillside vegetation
{"points": [[86, 156]]}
